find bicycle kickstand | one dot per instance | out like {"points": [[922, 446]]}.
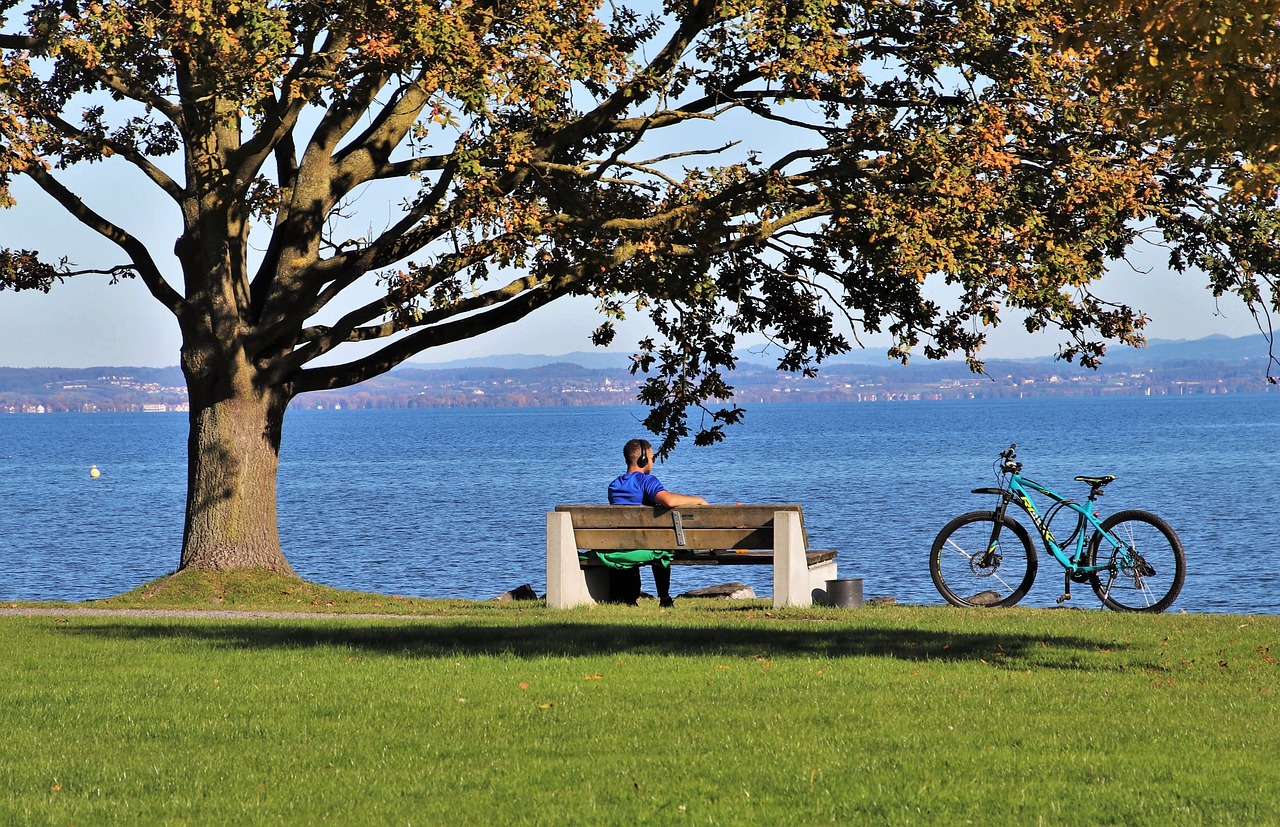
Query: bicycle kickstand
{"points": [[1067, 594]]}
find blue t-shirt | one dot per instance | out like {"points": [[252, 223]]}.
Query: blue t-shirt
{"points": [[635, 488]]}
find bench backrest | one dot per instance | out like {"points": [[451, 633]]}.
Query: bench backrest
{"points": [[613, 527]]}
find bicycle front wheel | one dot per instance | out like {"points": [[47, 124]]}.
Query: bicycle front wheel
{"points": [[977, 561], [1145, 570]]}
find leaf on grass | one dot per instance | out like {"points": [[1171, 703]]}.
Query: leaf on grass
{"points": [[595, 677], [524, 685], [545, 706]]}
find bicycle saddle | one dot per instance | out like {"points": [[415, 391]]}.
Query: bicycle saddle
{"points": [[1098, 481]]}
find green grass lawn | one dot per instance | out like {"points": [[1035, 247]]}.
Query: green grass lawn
{"points": [[486, 713]]}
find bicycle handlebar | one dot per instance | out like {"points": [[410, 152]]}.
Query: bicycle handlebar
{"points": [[1008, 464]]}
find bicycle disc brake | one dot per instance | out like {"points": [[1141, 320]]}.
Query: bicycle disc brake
{"points": [[985, 565]]}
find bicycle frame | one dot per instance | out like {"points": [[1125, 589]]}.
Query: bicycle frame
{"points": [[1018, 491]]}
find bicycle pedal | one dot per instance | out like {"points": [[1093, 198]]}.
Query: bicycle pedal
{"points": [[1064, 598]]}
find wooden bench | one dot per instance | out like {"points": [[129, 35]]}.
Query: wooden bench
{"points": [[707, 535]]}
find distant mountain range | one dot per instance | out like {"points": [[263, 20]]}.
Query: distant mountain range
{"points": [[1215, 348]]}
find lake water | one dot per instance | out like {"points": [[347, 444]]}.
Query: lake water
{"points": [[452, 503]]}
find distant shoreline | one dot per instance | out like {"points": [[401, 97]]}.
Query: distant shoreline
{"points": [[498, 402], [1214, 365]]}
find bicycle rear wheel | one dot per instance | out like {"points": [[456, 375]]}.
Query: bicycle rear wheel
{"points": [[968, 569], [1145, 573]]}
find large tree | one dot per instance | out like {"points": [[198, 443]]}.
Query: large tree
{"points": [[809, 169]]}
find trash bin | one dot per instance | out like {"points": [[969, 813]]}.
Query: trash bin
{"points": [[845, 593]]}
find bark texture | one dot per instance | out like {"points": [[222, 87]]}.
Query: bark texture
{"points": [[233, 455]]}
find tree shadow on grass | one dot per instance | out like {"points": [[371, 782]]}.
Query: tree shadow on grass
{"points": [[453, 638]]}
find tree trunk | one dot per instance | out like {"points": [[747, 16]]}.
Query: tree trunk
{"points": [[233, 454]]}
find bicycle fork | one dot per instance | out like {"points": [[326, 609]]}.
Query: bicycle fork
{"points": [[992, 556]]}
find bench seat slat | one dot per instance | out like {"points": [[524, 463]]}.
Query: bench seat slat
{"points": [[704, 516], [665, 538]]}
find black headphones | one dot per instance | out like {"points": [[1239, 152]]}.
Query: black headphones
{"points": [[643, 459]]}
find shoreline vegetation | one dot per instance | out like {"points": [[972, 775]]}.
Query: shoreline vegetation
{"points": [[473, 712]]}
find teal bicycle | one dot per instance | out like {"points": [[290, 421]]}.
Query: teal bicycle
{"points": [[1133, 560]]}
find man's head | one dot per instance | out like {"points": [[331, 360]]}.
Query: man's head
{"points": [[639, 454]]}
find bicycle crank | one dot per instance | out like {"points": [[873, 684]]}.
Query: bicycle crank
{"points": [[1067, 584]]}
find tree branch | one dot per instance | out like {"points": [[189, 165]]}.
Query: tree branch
{"points": [[135, 249], [366, 157], [117, 83], [158, 176], [328, 378], [330, 278], [323, 340], [413, 166], [280, 117], [642, 87], [20, 42]]}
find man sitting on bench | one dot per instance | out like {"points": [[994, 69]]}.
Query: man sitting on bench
{"points": [[638, 486]]}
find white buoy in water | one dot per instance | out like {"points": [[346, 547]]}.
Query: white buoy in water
{"points": [[94, 472]]}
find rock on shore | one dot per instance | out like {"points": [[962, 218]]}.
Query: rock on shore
{"points": [[725, 591]]}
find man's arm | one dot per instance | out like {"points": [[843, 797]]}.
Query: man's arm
{"points": [[670, 499]]}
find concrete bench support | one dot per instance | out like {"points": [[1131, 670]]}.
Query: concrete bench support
{"points": [[568, 583]]}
